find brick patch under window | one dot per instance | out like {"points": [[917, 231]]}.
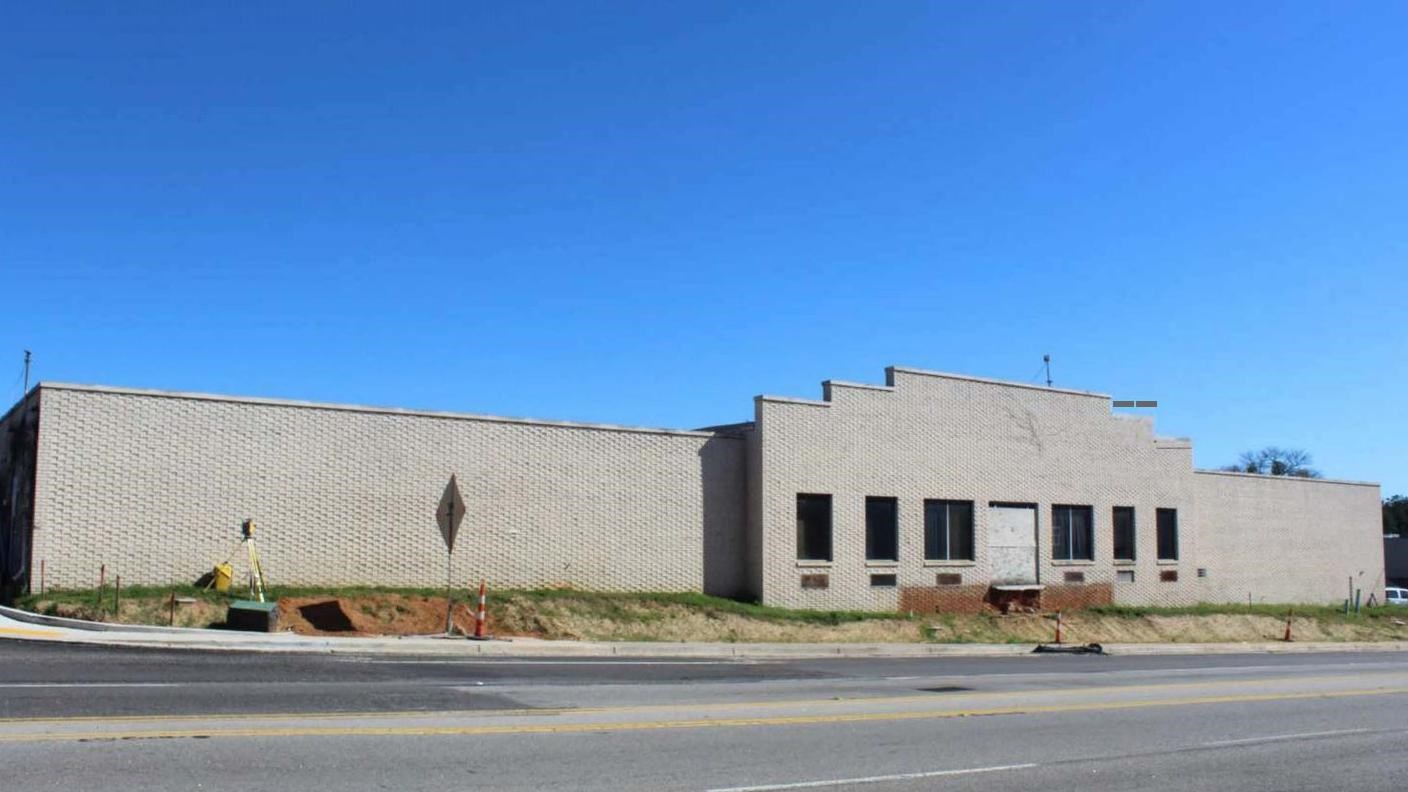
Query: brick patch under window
{"points": [[1077, 595], [943, 599], [1075, 577], [1168, 575], [816, 581], [949, 579], [979, 598], [883, 581]]}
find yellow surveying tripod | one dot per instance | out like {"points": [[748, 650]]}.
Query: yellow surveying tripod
{"points": [[256, 572]]}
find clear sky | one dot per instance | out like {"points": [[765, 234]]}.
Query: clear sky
{"points": [[648, 213]]}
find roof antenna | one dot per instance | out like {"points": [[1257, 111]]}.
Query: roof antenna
{"points": [[27, 356], [1047, 360]]}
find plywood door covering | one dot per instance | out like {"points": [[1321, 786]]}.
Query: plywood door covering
{"points": [[1012, 544]]}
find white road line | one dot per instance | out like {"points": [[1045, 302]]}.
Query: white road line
{"points": [[1278, 737], [880, 779], [92, 684]]}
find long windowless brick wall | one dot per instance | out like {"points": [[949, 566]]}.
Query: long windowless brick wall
{"points": [[154, 487]]}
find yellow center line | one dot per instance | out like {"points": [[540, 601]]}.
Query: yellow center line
{"points": [[569, 728], [734, 705], [32, 633]]}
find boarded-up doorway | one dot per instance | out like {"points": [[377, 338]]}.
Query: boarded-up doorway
{"points": [[1012, 543]]}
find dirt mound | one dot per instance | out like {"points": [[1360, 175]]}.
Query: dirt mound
{"points": [[566, 618], [378, 614]]}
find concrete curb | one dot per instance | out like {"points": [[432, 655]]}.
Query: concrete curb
{"points": [[22, 625]]}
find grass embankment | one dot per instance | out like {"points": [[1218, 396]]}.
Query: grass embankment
{"points": [[542, 613], [570, 614]]}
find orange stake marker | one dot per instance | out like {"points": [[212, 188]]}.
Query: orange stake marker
{"points": [[479, 616]]}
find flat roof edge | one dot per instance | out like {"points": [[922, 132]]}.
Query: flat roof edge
{"points": [[857, 385], [1264, 477], [367, 409], [791, 400], [1004, 383]]}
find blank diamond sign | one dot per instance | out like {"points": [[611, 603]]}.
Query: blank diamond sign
{"points": [[450, 513]]}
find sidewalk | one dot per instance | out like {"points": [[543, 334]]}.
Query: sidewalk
{"points": [[22, 625]]}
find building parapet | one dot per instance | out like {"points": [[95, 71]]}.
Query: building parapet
{"points": [[861, 385], [791, 400], [1265, 477], [828, 385], [369, 410], [892, 370]]}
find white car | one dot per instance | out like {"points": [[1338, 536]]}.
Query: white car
{"points": [[1396, 596]]}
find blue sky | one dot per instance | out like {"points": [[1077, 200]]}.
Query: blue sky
{"points": [[647, 213]]}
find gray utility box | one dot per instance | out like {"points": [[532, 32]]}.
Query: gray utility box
{"points": [[252, 616]]}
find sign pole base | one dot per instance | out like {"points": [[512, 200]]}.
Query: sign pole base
{"points": [[449, 601]]}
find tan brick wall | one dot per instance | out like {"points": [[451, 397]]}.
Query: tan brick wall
{"points": [[1282, 539], [753, 546], [155, 486], [928, 435]]}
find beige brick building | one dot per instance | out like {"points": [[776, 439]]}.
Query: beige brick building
{"points": [[932, 492]]}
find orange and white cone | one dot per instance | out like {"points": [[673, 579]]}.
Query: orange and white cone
{"points": [[479, 615]]}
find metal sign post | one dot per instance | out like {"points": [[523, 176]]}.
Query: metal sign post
{"points": [[448, 515]]}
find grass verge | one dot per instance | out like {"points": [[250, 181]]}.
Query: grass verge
{"points": [[663, 616]]}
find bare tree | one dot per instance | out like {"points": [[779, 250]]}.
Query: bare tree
{"points": [[1273, 461]]}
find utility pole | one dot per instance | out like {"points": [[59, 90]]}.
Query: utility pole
{"points": [[27, 356], [1047, 360]]}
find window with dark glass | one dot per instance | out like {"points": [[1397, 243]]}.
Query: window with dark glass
{"points": [[882, 529], [814, 527], [948, 530], [1072, 533], [1168, 534], [1124, 533]]}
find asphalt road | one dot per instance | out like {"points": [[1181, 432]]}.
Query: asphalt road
{"points": [[76, 718]]}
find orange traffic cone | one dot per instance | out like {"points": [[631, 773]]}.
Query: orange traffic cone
{"points": [[479, 616]]}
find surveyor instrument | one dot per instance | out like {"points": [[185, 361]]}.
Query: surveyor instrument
{"points": [[256, 571]]}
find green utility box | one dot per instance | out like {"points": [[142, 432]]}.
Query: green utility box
{"points": [[252, 616]]}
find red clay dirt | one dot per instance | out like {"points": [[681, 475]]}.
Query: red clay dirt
{"points": [[383, 614]]}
